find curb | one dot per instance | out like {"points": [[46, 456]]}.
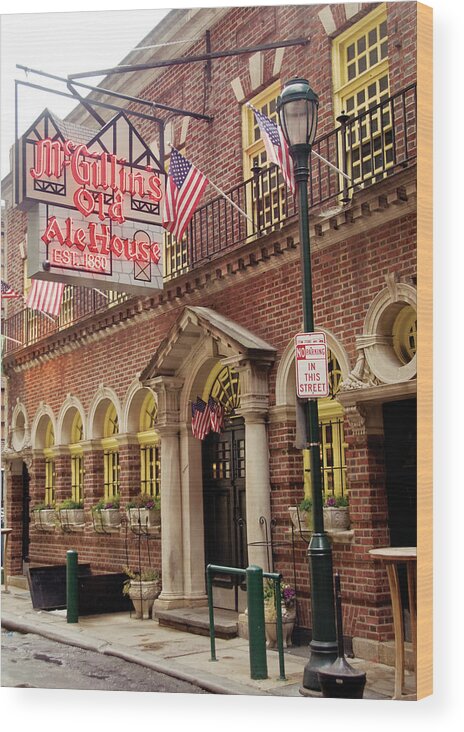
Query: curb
{"points": [[109, 649]]}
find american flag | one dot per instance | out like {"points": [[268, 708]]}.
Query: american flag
{"points": [[216, 411], [276, 147], [7, 291], [201, 419], [185, 186], [45, 296]]}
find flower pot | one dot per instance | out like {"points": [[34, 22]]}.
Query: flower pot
{"points": [[143, 594], [288, 623], [336, 518], [144, 517], [45, 518]]}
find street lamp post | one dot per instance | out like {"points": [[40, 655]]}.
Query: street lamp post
{"points": [[297, 108]]}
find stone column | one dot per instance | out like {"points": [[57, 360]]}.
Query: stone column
{"points": [[192, 518], [258, 489], [172, 569], [254, 408]]}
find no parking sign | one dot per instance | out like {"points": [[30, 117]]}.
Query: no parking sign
{"points": [[312, 375]]}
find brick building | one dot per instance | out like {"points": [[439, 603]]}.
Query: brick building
{"points": [[99, 401]]}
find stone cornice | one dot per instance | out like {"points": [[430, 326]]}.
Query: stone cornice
{"points": [[370, 208], [381, 393]]}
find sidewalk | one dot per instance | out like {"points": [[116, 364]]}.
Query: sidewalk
{"points": [[176, 653]]}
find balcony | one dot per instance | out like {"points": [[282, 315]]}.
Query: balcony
{"points": [[378, 143]]}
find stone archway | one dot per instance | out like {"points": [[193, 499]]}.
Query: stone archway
{"points": [[177, 373]]}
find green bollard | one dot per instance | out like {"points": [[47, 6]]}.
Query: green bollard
{"points": [[72, 597], [256, 623], [212, 632]]}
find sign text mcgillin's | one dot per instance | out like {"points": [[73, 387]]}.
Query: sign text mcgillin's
{"points": [[96, 175]]}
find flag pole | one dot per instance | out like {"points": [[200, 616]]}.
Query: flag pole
{"points": [[44, 313], [232, 203], [14, 340], [331, 165], [221, 193]]}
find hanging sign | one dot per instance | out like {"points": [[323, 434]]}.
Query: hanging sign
{"points": [[94, 203], [312, 374]]}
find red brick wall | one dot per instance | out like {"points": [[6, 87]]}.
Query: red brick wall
{"points": [[346, 277]]}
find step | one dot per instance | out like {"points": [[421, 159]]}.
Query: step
{"points": [[18, 581], [196, 620]]}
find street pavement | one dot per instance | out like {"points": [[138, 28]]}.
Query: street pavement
{"points": [[179, 654]]}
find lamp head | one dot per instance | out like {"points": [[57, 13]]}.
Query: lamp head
{"points": [[297, 108]]}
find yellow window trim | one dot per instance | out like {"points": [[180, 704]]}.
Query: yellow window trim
{"points": [[147, 405], [330, 409], [213, 374], [340, 87], [148, 437], [110, 418], [110, 443]]}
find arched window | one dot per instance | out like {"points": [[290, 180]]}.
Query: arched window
{"points": [[50, 473], [150, 458], [77, 458], [405, 334], [223, 384], [110, 452]]}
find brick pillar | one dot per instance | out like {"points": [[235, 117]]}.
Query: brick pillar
{"points": [[13, 561], [37, 477], [369, 517], [62, 460], [93, 473], [129, 466]]}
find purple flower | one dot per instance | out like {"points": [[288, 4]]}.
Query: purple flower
{"points": [[288, 593], [331, 502]]}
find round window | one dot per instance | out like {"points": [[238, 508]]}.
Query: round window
{"points": [[405, 334]]}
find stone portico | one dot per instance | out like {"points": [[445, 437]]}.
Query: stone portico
{"points": [[199, 340]]}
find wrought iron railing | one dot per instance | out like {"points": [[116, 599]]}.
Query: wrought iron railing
{"points": [[378, 143]]}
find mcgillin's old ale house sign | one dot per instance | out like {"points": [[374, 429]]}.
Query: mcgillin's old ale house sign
{"points": [[94, 203]]}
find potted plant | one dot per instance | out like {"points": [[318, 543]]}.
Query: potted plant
{"points": [[106, 512], [336, 513], [44, 515], [143, 588], [71, 512], [288, 605], [301, 515], [144, 511]]}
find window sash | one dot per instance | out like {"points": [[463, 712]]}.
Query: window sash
{"points": [[150, 469], [111, 473]]}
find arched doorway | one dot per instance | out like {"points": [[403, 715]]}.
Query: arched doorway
{"points": [[224, 494]]}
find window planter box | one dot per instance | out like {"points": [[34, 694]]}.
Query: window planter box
{"points": [[336, 519], [71, 517], [107, 518], [144, 518], [46, 518]]}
